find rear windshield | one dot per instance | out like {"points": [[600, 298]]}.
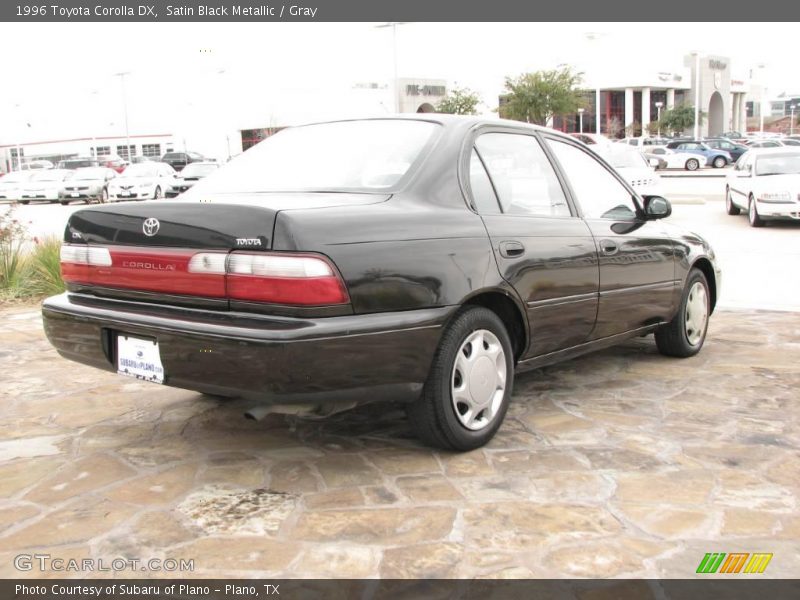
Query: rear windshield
{"points": [[342, 156], [778, 164], [198, 170], [89, 173]]}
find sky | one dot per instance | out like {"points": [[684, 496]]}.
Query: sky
{"points": [[58, 79]]}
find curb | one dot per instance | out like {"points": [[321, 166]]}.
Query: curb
{"points": [[686, 200]]}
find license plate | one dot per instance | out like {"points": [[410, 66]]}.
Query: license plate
{"points": [[75, 195], [139, 358], [126, 194]]}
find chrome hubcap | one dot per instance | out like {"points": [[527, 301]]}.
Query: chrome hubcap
{"points": [[696, 313], [478, 380]]}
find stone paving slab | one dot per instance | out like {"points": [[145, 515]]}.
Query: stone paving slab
{"points": [[618, 464]]}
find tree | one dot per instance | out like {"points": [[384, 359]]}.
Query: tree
{"points": [[459, 101], [537, 97], [680, 118]]}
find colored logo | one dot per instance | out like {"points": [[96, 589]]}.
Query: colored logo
{"points": [[735, 562]]}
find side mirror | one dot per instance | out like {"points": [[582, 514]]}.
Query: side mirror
{"points": [[656, 207]]}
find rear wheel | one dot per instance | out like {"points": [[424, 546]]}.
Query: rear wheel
{"points": [[469, 385], [64, 202], [730, 207], [692, 164], [684, 335], [752, 213], [719, 162], [24, 201]]}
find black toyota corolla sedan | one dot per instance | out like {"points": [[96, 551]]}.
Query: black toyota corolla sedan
{"points": [[421, 258]]}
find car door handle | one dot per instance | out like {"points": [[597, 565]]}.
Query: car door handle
{"points": [[511, 249], [608, 247]]}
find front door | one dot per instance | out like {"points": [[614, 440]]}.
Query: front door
{"points": [[637, 261], [543, 249]]}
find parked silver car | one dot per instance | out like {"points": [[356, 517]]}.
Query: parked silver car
{"points": [[45, 185], [11, 184], [89, 184], [191, 174]]}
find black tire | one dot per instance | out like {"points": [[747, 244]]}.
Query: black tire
{"points": [[64, 202], [433, 417], [692, 164], [672, 338], [24, 201], [752, 213], [730, 207], [719, 162], [157, 194], [104, 196]]}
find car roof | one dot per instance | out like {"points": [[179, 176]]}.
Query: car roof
{"points": [[778, 150]]}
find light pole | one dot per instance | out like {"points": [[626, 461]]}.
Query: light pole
{"points": [[762, 93], [19, 140], [593, 36], [696, 94], [122, 76], [791, 118], [393, 25], [580, 116], [658, 118]]}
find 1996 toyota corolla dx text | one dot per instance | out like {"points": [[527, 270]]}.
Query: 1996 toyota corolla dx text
{"points": [[420, 258]]}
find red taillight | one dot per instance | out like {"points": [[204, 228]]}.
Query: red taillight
{"points": [[292, 279]]}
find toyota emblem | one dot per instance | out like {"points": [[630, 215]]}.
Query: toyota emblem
{"points": [[151, 227]]}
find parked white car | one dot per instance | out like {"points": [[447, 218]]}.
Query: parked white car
{"points": [[45, 184], [142, 181], [765, 183], [634, 168], [11, 184], [679, 160]]}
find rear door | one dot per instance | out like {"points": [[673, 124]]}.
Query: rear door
{"points": [[542, 248], [637, 265]]}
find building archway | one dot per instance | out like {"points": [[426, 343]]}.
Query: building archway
{"points": [[716, 116], [426, 107]]}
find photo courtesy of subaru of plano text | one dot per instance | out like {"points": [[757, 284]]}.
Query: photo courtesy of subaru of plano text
{"points": [[416, 259]]}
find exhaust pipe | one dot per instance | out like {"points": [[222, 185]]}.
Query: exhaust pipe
{"points": [[260, 411]]}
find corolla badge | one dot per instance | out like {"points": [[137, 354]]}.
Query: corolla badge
{"points": [[151, 226]]}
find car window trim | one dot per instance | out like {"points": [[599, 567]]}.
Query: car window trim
{"points": [[491, 182], [634, 196], [463, 174]]}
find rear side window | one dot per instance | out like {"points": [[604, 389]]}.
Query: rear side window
{"points": [[523, 177], [481, 186]]}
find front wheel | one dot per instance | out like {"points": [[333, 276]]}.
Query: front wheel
{"points": [[719, 162], [752, 213], [730, 207], [104, 196], [684, 335], [157, 193], [468, 390], [692, 164]]}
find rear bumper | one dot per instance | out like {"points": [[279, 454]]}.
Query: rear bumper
{"points": [[287, 359]]}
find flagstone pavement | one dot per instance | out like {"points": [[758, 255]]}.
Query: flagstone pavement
{"points": [[618, 464]]}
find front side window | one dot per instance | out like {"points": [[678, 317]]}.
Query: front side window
{"points": [[599, 193], [523, 177], [341, 156]]}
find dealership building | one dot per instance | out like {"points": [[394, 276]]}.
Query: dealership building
{"points": [[624, 101]]}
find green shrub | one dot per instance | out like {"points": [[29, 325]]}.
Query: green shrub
{"points": [[43, 269], [12, 259]]}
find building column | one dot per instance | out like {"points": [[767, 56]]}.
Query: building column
{"points": [[742, 113], [734, 111], [628, 108], [597, 111], [670, 99], [645, 110]]}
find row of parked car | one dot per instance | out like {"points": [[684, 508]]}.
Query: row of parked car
{"points": [[138, 181]]}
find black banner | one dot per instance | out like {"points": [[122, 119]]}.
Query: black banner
{"points": [[401, 10], [737, 587]]}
